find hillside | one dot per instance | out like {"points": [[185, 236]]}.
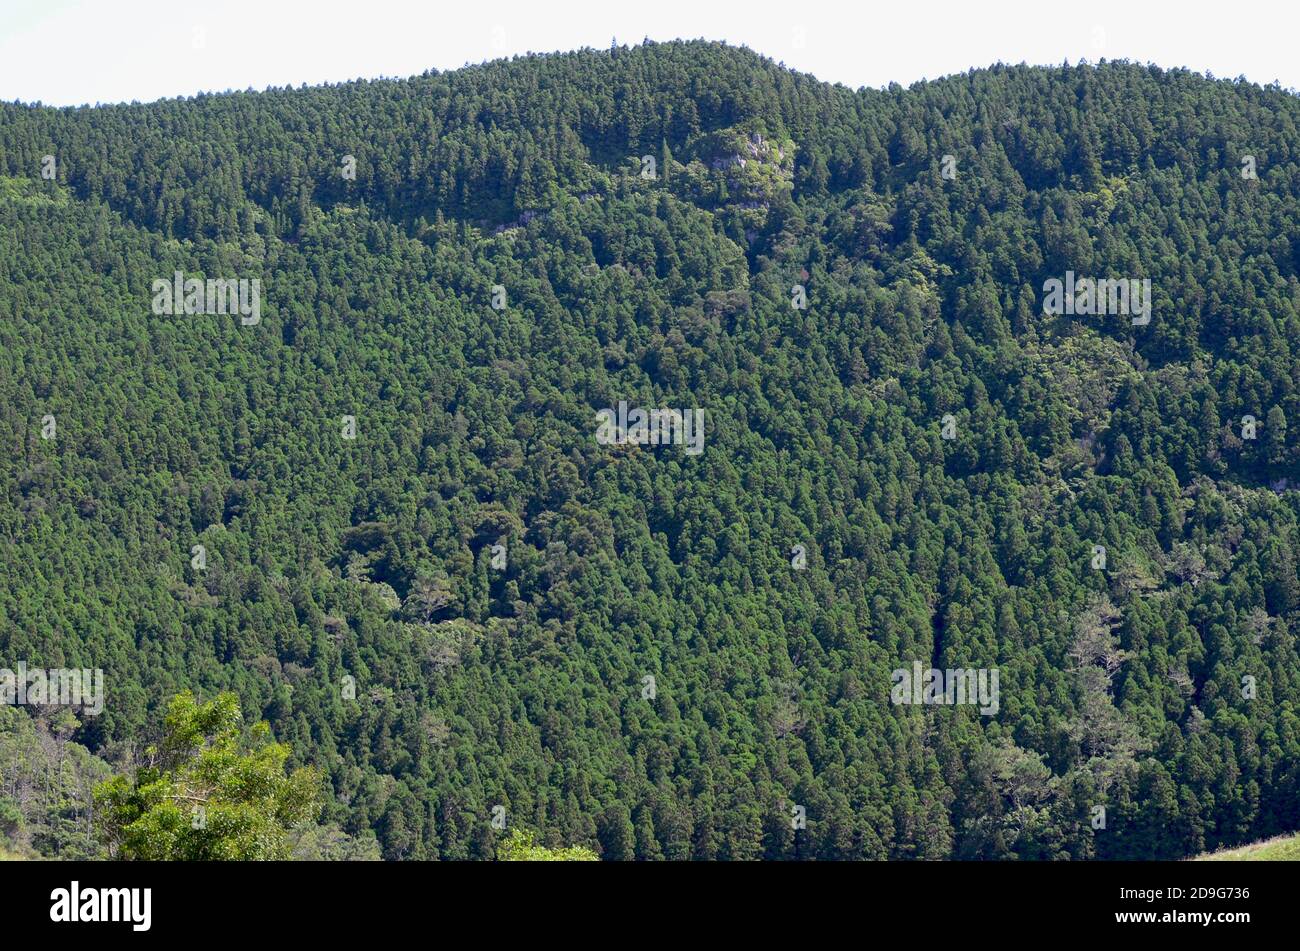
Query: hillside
{"points": [[424, 569], [1281, 849]]}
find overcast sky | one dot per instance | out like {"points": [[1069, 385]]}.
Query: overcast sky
{"points": [[69, 52]]}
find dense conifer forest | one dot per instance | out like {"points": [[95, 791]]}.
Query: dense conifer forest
{"points": [[378, 513]]}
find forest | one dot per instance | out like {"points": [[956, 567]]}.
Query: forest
{"points": [[379, 520]]}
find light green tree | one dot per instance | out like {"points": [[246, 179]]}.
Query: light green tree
{"points": [[212, 790], [520, 846]]}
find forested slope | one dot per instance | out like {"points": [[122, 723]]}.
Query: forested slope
{"points": [[524, 685]]}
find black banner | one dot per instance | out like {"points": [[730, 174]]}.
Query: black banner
{"points": [[979, 901]]}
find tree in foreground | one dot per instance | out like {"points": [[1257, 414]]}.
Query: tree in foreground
{"points": [[212, 790], [519, 846]]}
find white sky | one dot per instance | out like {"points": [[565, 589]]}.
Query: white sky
{"points": [[69, 52]]}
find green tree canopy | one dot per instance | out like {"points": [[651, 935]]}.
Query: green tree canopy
{"points": [[212, 790]]}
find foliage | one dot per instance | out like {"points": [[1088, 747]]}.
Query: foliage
{"points": [[333, 563], [46, 786], [519, 846], [212, 790]]}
